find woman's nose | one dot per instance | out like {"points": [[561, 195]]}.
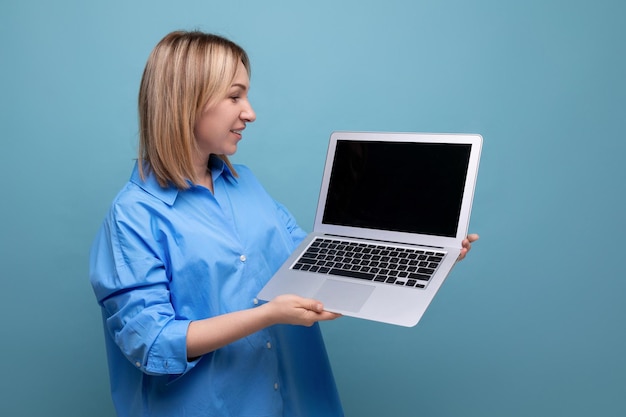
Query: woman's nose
{"points": [[248, 114]]}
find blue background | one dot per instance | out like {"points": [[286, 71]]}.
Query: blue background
{"points": [[531, 324]]}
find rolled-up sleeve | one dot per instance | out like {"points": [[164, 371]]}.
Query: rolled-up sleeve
{"points": [[131, 285]]}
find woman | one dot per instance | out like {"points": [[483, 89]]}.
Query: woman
{"points": [[188, 243]]}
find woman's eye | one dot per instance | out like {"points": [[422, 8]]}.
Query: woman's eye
{"points": [[234, 98]]}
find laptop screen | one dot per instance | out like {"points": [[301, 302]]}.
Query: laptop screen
{"points": [[398, 186]]}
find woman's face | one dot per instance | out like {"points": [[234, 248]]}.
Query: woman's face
{"points": [[220, 126]]}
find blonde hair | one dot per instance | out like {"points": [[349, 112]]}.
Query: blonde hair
{"points": [[185, 72]]}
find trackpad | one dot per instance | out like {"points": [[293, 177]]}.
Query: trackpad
{"points": [[340, 295]]}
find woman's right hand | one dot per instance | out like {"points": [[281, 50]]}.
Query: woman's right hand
{"points": [[207, 335], [293, 309]]}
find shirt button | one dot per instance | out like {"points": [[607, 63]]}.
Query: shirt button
{"points": [[255, 301], [269, 345], [138, 364], [242, 258], [276, 386]]}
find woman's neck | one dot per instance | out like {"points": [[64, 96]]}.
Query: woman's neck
{"points": [[203, 174]]}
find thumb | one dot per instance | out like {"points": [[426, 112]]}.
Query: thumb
{"points": [[315, 305]]}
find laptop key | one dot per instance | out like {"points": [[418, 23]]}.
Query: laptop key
{"points": [[421, 277], [307, 261], [352, 274]]}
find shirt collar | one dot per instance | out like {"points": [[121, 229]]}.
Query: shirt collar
{"points": [[168, 194], [219, 168]]}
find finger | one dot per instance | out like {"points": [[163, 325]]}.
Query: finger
{"points": [[313, 305], [464, 250], [332, 316], [473, 237], [317, 307], [327, 315]]}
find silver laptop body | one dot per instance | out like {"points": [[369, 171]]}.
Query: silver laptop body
{"points": [[392, 213]]}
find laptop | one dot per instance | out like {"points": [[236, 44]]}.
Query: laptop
{"points": [[392, 212]]}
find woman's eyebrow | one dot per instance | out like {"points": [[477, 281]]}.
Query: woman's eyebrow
{"points": [[238, 85]]}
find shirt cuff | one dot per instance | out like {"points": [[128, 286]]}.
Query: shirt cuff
{"points": [[168, 355]]}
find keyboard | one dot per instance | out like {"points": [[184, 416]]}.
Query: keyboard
{"points": [[386, 264]]}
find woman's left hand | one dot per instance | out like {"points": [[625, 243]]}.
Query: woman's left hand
{"points": [[467, 245]]}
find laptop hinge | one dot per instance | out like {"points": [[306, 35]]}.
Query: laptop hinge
{"points": [[381, 241]]}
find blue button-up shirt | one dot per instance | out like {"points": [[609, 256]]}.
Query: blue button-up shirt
{"points": [[165, 257]]}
